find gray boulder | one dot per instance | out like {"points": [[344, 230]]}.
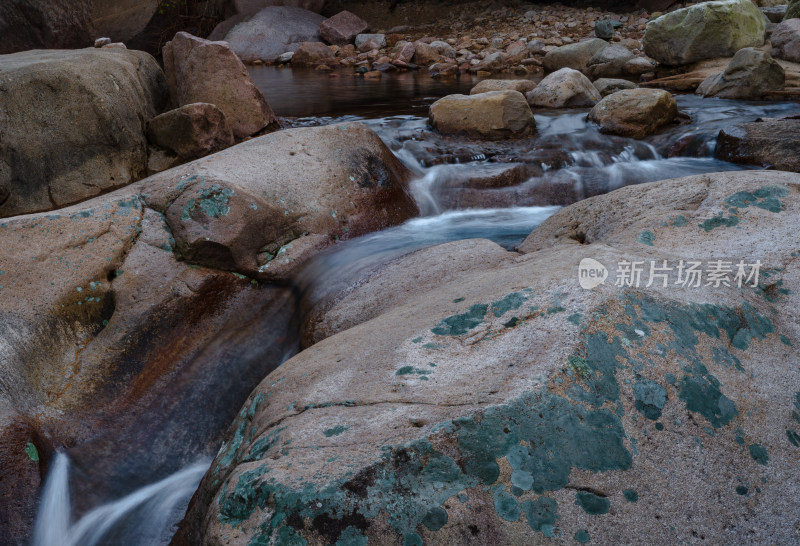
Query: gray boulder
{"points": [[565, 88], [202, 71], [634, 113], [483, 86], [785, 40], [270, 32], [342, 28], [575, 56], [191, 131], [749, 75], [704, 31], [73, 124], [608, 62], [495, 114]]}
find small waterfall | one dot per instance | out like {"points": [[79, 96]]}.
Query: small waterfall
{"points": [[144, 517], [52, 521]]}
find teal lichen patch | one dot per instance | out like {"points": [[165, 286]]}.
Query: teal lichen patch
{"points": [[335, 431], [646, 237], [591, 503], [767, 198], [741, 490], [435, 519], [510, 302], [582, 536], [650, 398], [630, 495], [352, 536], [785, 340], [678, 221], [541, 513], [575, 318], [719, 221], [457, 325], [31, 451], [794, 437], [759, 454], [506, 506], [411, 370], [540, 433], [214, 202], [412, 539], [701, 392]]}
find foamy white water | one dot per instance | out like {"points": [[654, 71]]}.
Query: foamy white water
{"points": [[142, 517]]}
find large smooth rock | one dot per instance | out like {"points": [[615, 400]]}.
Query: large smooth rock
{"points": [[634, 113], [606, 414], [191, 131], [608, 62], [768, 143], [342, 28], [332, 182], [313, 54], [750, 74], [72, 124], [704, 31], [785, 40], [272, 31], [202, 71], [484, 86], [495, 114], [575, 56], [564, 88]]}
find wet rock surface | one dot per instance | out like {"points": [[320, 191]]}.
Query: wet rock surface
{"points": [[768, 143], [586, 392], [634, 113]]}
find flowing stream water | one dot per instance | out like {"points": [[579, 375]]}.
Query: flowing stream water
{"points": [[465, 189]]}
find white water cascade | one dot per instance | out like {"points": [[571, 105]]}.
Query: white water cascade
{"points": [[143, 517]]}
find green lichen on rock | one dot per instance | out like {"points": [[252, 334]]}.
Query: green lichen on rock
{"points": [[630, 495], [506, 506], [650, 398], [32, 452], [540, 513], [591, 503], [335, 431], [510, 302], [719, 221], [759, 454], [646, 237], [701, 392], [767, 198], [541, 434], [457, 325]]}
